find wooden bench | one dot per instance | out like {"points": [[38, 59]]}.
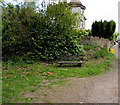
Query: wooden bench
{"points": [[71, 59]]}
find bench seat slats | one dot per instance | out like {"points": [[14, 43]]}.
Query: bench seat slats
{"points": [[70, 62], [71, 59]]}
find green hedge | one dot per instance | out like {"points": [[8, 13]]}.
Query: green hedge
{"points": [[103, 29]]}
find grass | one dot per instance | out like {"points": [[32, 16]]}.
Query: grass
{"points": [[18, 78], [21, 77]]}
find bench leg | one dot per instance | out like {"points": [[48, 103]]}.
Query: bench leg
{"points": [[79, 64], [60, 65]]}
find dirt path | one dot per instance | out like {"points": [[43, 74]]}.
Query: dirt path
{"points": [[98, 89]]}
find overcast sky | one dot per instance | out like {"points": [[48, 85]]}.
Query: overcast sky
{"points": [[99, 9]]}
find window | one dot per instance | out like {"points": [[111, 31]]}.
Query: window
{"points": [[75, 9], [82, 11], [81, 25]]}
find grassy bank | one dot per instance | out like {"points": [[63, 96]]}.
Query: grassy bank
{"points": [[28, 77]]}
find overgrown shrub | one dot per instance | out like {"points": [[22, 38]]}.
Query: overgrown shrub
{"points": [[41, 34]]}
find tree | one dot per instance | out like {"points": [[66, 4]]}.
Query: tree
{"points": [[37, 34], [103, 29], [57, 32], [17, 29]]}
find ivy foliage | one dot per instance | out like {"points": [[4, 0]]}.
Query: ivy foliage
{"points": [[39, 34]]}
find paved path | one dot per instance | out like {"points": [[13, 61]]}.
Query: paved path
{"points": [[98, 89], [117, 53]]}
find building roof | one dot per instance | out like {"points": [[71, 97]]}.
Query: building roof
{"points": [[77, 3]]}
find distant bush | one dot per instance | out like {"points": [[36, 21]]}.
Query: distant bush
{"points": [[103, 29], [82, 32]]}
